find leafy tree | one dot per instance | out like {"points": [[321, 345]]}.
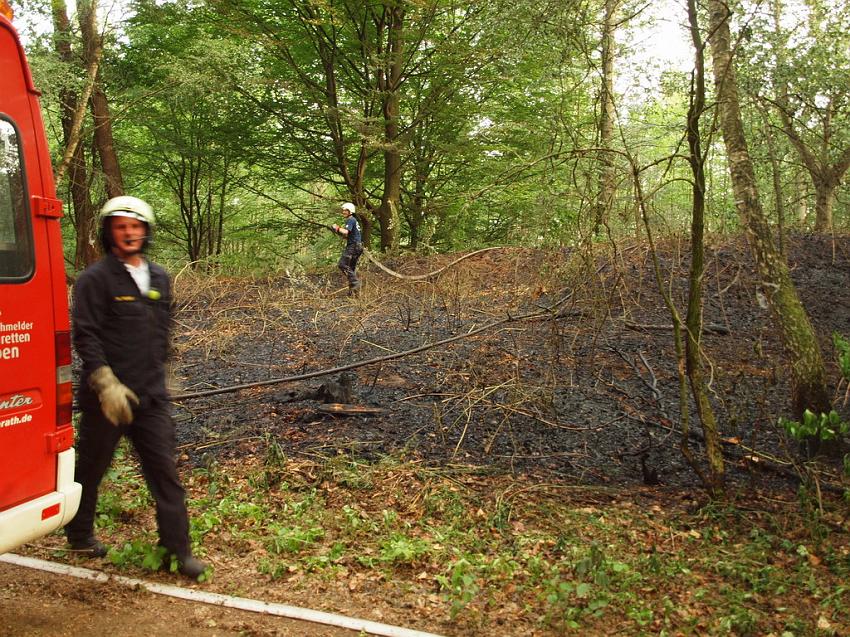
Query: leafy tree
{"points": [[186, 135], [812, 99], [390, 102]]}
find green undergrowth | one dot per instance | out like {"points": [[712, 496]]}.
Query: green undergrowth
{"points": [[482, 554]]}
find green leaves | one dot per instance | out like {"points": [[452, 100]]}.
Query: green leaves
{"points": [[139, 553], [460, 584], [842, 348], [820, 426]]}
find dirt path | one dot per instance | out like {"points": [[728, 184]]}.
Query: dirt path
{"points": [[38, 604]]}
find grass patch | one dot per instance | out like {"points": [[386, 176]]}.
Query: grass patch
{"points": [[476, 554]]}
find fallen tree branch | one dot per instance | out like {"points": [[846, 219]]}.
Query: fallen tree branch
{"points": [[709, 327]]}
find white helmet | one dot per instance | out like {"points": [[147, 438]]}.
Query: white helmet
{"points": [[349, 207], [126, 206]]}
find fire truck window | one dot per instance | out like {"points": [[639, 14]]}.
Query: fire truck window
{"points": [[16, 260]]}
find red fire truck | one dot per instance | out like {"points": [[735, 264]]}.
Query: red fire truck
{"points": [[37, 489]]}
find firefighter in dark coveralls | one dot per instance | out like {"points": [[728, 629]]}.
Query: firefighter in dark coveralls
{"points": [[353, 247], [121, 329]]}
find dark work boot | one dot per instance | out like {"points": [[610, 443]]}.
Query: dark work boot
{"points": [[89, 547], [190, 566]]}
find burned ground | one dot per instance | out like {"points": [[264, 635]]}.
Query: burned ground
{"points": [[576, 380]]}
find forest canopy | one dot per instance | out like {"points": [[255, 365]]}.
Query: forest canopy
{"points": [[450, 125]]}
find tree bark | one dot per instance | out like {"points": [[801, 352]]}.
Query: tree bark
{"points": [[693, 321], [798, 335], [86, 250], [388, 83], [824, 198], [105, 144], [606, 190], [801, 194], [778, 196], [103, 138]]}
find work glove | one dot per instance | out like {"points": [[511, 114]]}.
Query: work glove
{"points": [[335, 228], [172, 383], [114, 396]]}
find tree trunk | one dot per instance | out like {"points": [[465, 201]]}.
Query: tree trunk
{"points": [[798, 335], [802, 195], [693, 321], [354, 180], [389, 79], [360, 200], [103, 139], [824, 198], [416, 216], [606, 190], [771, 146], [86, 249], [105, 144], [776, 172]]}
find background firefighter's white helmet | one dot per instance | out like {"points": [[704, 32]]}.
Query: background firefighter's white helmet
{"points": [[126, 206]]}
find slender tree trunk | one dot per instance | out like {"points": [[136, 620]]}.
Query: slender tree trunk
{"points": [[825, 176], [354, 180], [105, 144], [778, 197], [693, 321], [606, 186], [360, 201], [389, 83], [222, 207], [802, 195], [826, 173], [798, 335], [782, 98], [416, 219]]}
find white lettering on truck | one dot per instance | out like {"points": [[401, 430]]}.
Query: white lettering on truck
{"points": [[20, 326], [15, 337], [8, 353], [15, 420], [12, 334], [16, 400]]}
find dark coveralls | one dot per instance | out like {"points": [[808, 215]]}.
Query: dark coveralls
{"points": [[114, 325], [351, 253]]}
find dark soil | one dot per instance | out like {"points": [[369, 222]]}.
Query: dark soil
{"points": [[586, 392]]}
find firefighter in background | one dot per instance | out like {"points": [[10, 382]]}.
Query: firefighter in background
{"points": [[353, 247], [121, 329]]}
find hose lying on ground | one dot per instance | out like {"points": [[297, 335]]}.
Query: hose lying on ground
{"points": [[422, 277]]}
